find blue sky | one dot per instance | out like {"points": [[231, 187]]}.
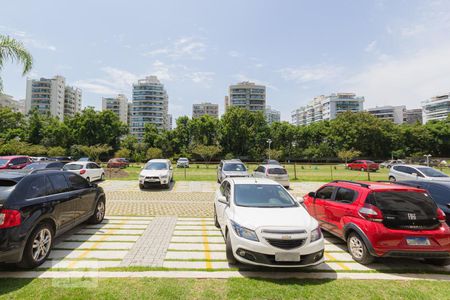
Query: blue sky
{"points": [[391, 52]]}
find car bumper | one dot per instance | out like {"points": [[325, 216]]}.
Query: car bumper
{"points": [[11, 256], [11, 245], [262, 254], [154, 181]]}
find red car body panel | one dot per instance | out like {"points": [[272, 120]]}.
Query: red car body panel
{"points": [[18, 161], [363, 164], [337, 218]]}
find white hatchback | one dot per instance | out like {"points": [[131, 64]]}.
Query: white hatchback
{"points": [[264, 225], [275, 172], [87, 169], [416, 172]]}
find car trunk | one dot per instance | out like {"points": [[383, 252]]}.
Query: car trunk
{"points": [[410, 210]]}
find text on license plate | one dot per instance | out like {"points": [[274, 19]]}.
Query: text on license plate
{"points": [[418, 241], [287, 256]]}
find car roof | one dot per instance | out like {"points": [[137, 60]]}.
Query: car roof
{"points": [[14, 175], [374, 186], [413, 166], [232, 161], [80, 162], [272, 166], [251, 180], [158, 160]]}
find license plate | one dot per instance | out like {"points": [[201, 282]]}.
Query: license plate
{"points": [[420, 241], [287, 257], [152, 180]]}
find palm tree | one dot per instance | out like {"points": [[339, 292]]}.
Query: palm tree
{"points": [[13, 50]]}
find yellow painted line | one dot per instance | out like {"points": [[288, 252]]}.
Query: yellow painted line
{"points": [[331, 257], [94, 246], [206, 246]]}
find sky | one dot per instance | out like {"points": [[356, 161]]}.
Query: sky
{"points": [[391, 52]]}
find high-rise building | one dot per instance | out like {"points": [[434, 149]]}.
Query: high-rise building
{"points": [[413, 116], [72, 101], [436, 108], [395, 114], [46, 95], [272, 115], [327, 108], [8, 101], [170, 122], [205, 108], [150, 105], [247, 95], [130, 112], [118, 105]]}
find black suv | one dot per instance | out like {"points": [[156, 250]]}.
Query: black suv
{"points": [[36, 207]]}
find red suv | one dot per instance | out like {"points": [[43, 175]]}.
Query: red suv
{"points": [[14, 162], [382, 220], [363, 165], [118, 163]]}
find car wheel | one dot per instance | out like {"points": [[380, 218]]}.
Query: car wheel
{"points": [[38, 246], [437, 261], [392, 179], [358, 249], [99, 213], [216, 222], [102, 178], [229, 251]]}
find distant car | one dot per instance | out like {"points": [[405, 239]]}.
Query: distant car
{"points": [[389, 163], [231, 168], [39, 158], [438, 190], [183, 162], [87, 169], [270, 162], [84, 159], [363, 165], [117, 163], [263, 224], [382, 219], [416, 172], [36, 208], [156, 172], [14, 162], [274, 172], [57, 165], [65, 159]]}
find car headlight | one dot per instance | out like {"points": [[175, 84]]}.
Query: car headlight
{"points": [[244, 232], [141, 177], [164, 176], [316, 234]]}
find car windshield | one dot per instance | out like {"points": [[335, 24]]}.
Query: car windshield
{"points": [[35, 166], [277, 171], [183, 159], [72, 167], [239, 167], [430, 172], [262, 195], [156, 166]]}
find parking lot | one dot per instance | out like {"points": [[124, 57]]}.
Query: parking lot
{"points": [[173, 230]]}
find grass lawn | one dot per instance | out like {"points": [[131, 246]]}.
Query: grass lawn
{"points": [[236, 288], [201, 172]]}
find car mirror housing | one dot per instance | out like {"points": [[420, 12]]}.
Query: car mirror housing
{"points": [[312, 194], [223, 199]]}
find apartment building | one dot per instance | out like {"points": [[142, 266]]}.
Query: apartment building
{"points": [[272, 115], [205, 108], [327, 108], [436, 108], [412, 116], [395, 114], [118, 105], [72, 101], [247, 95], [150, 105]]}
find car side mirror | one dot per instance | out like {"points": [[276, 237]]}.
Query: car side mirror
{"points": [[312, 194], [223, 199], [300, 200]]}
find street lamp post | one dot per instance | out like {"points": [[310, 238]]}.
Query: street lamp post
{"points": [[269, 141], [428, 159]]}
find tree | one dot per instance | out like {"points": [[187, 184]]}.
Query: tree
{"points": [[12, 124], [347, 155], [13, 50], [206, 152], [56, 151], [153, 153], [150, 134], [274, 154], [123, 153], [95, 151], [204, 130]]}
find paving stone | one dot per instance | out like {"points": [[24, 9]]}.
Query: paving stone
{"points": [[91, 264], [113, 254], [197, 233], [197, 239], [212, 247], [194, 255], [94, 245], [117, 225], [110, 232], [102, 238], [199, 227]]}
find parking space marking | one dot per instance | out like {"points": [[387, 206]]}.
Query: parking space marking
{"points": [[103, 237], [206, 246], [112, 231], [340, 264]]}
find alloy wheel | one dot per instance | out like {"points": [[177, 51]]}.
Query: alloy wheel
{"points": [[41, 244], [100, 210], [356, 247]]}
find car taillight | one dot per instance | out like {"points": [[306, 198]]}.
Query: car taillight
{"points": [[9, 218], [441, 215], [82, 172], [371, 213]]}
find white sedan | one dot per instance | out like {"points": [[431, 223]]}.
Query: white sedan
{"points": [[264, 225], [87, 169]]}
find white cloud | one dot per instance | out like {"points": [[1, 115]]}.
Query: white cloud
{"points": [[182, 48], [26, 38], [234, 53], [412, 30], [201, 77], [116, 81], [310, 73], [371, 46]]}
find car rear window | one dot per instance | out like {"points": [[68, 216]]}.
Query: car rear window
{"points": [[6, 187], [430, 172], [238, 167], [277, 171], [405, 208], [73, 167]]}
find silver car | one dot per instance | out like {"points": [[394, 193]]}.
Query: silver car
{"points": [[231, 168], [275, 172], [183, 162], [416, 172]]}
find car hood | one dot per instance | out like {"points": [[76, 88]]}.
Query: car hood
{"points": [[151, 173], [255, 218]]}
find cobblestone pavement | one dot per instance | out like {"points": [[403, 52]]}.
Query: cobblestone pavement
{"points": [[184, 198]]}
